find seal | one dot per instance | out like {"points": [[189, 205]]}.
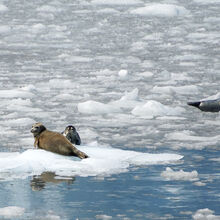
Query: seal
{"points": [[72, 135], [54, 142], [207, 105]]}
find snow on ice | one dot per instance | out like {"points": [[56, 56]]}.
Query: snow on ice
{"points": [[114, 161]]}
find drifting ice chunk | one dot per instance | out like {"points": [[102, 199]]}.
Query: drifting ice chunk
{"points": [[11, 211], [118, 2], [161, 10], [93, 107], [170, 174], [154, 108], [3, 8], [123, 74]]}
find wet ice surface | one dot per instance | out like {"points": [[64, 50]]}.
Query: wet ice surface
{"points": [[121, 72]]}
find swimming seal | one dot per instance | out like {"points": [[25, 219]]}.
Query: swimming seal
{"points": [[207, 105], [54, 142], [72, 135]]}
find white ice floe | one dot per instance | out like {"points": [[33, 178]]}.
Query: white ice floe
{"points": [[170, 174], [77, 59], [123, 74], [11, 211], [19, 122], [207, 2], [56, 83], [128, 101], [103, 217], [48, 8], [4, 29], [183, 90], [38, 28], [205, 214], [108, 11], [161, 10], [15, 93], [3, 8], [93, 107], [213, 97], [153, 108], [102, 161], [187, 135], [118, 2]]}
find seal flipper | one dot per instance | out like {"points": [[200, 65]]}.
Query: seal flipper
{"points": [[79, 153]]}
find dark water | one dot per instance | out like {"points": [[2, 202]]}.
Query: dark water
{"points": [[57, 54]]}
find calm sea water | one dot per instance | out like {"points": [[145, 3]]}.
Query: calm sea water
{"points": [[57, 54]]}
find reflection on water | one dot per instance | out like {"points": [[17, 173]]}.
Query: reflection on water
{"points": [[39, 182]]}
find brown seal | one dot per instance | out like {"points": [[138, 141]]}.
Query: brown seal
{"points": [[54, 142]]}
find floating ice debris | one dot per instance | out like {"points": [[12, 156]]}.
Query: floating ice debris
{"points": [[207, 1], [170, 174], [3, 8], [205, 214], [15, 93], [103, 161], [129, 100], [153, 108], [4, 29], [103, 217], [18, 122], [38, 28], [161, 10], [48, 8], [118, 2], [11, 211], [108, 11], [188, 89], [123, 74], [93, 107]]}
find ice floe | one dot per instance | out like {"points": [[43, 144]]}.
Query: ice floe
{"points": [[187, 89], [123, 74], [161, 10], [205, 214], [153, 108], [118, 2], [103, 217], [170, 174], [3, 8], [207, 2], [103, 161], [4, 29], [131, 102], [15, 93], [93, 107], [48, 8], [11, 211]]}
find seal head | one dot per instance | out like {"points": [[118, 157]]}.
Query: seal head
{"points": [[37, 128], [72, 135]]}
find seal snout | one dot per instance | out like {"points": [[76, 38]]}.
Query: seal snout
{"points": [[33, 130]]}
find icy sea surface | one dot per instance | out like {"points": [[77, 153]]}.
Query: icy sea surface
{"points": [[121, 72]]}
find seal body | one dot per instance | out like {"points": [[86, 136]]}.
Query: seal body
{"points": [[54, 142], [72, 135], [207, 105]]}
